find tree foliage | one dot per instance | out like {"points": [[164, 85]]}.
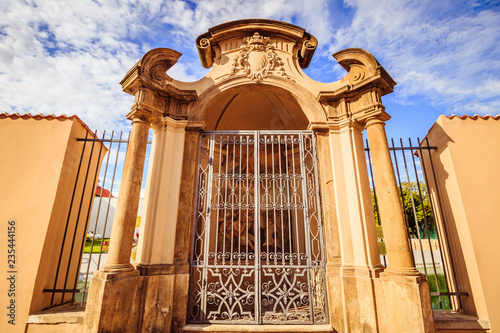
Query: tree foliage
{"points": [[417, 207]]}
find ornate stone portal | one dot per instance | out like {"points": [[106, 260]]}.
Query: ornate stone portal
{"points": [[256, 83]]}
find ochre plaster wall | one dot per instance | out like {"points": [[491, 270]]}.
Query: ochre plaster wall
{"points": [[40, 158], [466, 163]]}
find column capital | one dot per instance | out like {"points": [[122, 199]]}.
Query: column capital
{"points": [[170, 123], [196, 126], [375, 115], [319, 127], [373, 121]]}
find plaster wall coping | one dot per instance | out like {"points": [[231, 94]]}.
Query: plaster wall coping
{"points": [[453, 320]]}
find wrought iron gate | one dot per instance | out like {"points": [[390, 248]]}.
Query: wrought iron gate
{"points": [[257, 253]]}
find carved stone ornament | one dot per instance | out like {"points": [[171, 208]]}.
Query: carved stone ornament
{"points": [[257, 59]]}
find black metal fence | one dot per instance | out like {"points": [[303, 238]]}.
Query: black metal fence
{"points": [[85, 240], [428, 242]]}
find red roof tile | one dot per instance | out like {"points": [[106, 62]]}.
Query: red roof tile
{"points": [[474, 117], [105, 192], [48, 117]]}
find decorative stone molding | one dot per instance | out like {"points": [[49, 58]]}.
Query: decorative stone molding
{"points": [[257, 59], [149, 82], [150, 70], [364, 85], [305, 43], [360, 95], [307, 51]]}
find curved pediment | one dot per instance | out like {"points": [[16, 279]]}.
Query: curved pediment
{"points": [[233, 35]]}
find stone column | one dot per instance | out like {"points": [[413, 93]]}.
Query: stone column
{"points": [[115, 294], [124, 222], [389, 201], [401, 288]]}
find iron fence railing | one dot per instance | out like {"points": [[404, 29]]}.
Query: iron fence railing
{"points": [[428, 242], [86, 245]]}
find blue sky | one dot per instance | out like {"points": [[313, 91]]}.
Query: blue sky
{"points": [[68, 57]]}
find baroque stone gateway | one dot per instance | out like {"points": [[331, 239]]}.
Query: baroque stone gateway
{"points": [[258, 208]]}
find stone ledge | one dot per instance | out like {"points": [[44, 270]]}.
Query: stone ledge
{"points": [[453, 320], [66, 313], [256, 328]]}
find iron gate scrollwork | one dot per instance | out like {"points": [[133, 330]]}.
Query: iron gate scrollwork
{"points": [[257, 254]]}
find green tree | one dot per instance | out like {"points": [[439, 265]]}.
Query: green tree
{"points": [[417, 206]]}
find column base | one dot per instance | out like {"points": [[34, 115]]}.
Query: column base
{"points": [[158, 294], [403, 303], [114, 302], [351, 297]]}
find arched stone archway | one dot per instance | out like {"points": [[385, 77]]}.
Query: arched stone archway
{"points": [[257, 64], [278, 104]]}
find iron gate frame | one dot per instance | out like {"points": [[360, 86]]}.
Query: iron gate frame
{"points": [[203, 209]]}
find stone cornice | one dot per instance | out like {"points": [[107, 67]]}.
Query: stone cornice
{"points": [[170, 123]]}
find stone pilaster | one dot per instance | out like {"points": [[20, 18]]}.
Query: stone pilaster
{"points": [[331, 227], [184, 228], [351, 241]]}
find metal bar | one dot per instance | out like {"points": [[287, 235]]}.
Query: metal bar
{"points": [[424, 171], [77, 273], [378, 218], [95, 225], [61, 290], [195, 226], [373, 183], [457, 293], [239, 205], [414, 214], [443, 222], [307, 227], [111, 192], [401, 194], [406, 148], [281, 203], [316, 166], [425, 222], [77, 221], [257, 222], [207, 224], [400, 187], [106, 140], [68, 219]]}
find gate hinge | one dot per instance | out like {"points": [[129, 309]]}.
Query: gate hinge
{"points": [[211, 161]]}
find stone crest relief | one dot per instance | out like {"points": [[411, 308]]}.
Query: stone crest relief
{"points": [[257, 59]]}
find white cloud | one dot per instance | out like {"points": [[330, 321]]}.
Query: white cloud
{"points": [[445, 53], [61, 56]]}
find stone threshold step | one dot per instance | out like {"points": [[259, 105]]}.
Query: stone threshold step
{"points": [[221, 328]]}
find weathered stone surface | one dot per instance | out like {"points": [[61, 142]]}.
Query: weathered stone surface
{"points": [[158, 303], [114, 303], [403, 304]]}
